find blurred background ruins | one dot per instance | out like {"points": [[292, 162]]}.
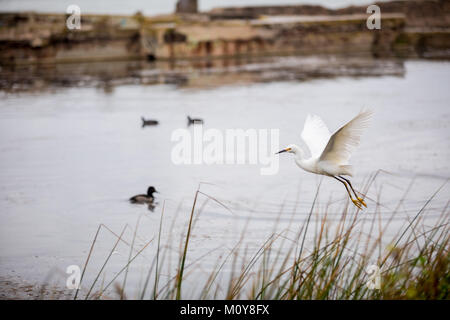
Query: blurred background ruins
{"points": [[214, 37]]}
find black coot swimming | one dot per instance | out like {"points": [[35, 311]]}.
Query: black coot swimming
{"points": [[149, 122], [194, 120]]}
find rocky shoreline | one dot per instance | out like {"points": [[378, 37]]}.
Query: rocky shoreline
{"points": [[17, 289]]}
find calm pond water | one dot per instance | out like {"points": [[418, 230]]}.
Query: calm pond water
{"points": [[71, 156]]}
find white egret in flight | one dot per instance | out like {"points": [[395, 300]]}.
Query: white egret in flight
{"points": [[330, 153]]}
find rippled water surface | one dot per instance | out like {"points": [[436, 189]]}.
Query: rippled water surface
{"points": [[71, 156]]}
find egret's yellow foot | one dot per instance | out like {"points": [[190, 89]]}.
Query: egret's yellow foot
{"points": [[356, 203], [362, 201]]}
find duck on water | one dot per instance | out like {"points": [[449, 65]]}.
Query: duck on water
{"points": [[145, 198], [149, 122], [194, 120]]}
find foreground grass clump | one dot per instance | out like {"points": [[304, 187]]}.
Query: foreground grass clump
{"points": [[351, 258]]}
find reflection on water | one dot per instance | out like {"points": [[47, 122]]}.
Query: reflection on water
{"points": [[71, 155], [192, 73]]}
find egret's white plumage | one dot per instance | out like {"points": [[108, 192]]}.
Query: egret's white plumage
{"points": [[315, 134], [330, 154], [344, 141]]}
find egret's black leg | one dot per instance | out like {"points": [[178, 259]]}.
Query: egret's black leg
{"points": [[356, 195], [350, 184], [355, 202]]}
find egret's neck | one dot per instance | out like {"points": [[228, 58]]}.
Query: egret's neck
{"points": [[298, 152], [300, 158]]}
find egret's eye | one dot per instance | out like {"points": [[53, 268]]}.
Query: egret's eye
{"points": [[288, 149]]}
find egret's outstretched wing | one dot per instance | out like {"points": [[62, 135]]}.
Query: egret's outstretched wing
{"points": [[315, 134], [346, 139]]}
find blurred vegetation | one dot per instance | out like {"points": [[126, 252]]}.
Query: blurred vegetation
{"points": [[332, 264]]}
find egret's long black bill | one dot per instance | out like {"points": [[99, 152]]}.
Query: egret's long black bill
{"points": [[281, 151]]}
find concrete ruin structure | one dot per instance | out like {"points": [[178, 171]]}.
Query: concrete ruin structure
{"points": [[187, 6], [37, 38]]}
